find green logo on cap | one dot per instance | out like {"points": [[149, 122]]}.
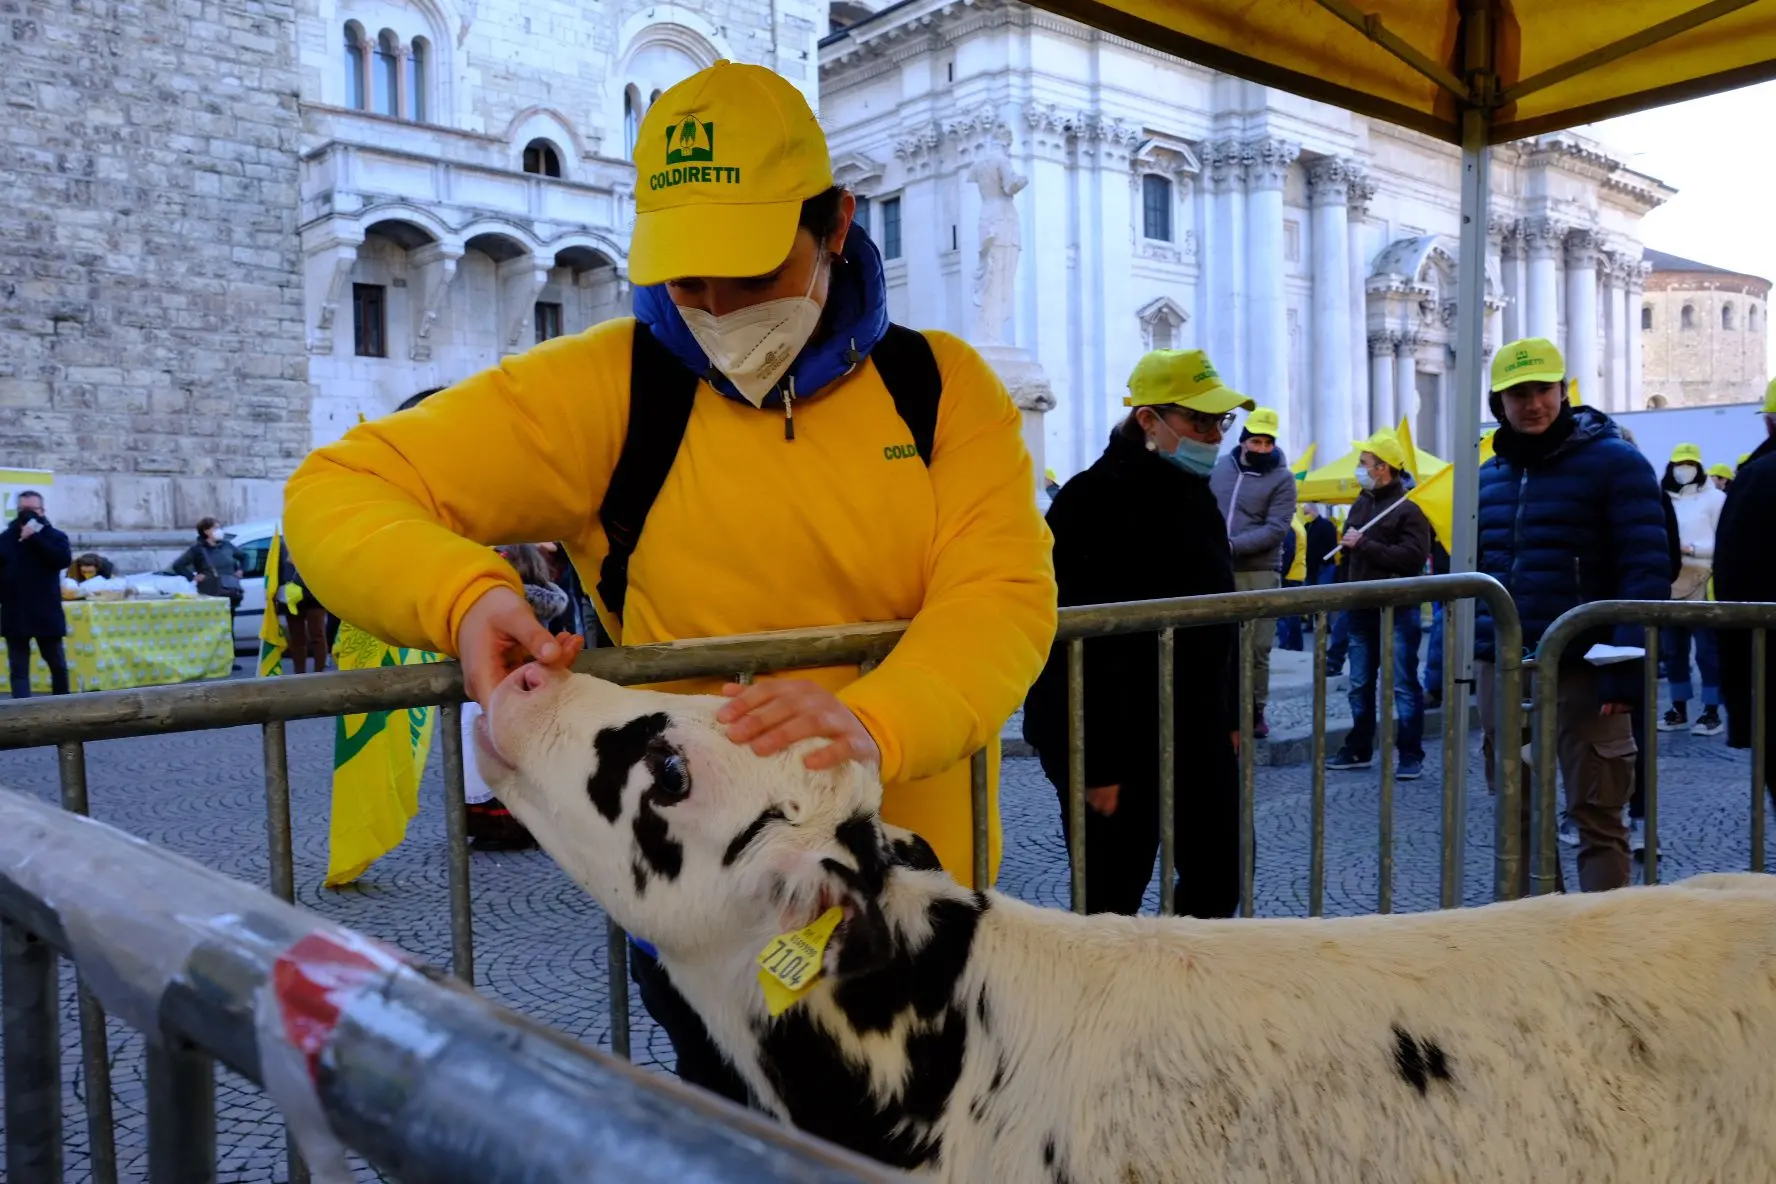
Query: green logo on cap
{"points": [[690, 142]]}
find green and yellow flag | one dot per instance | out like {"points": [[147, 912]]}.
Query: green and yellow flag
{"points": [[272, 642], [378, 759]]}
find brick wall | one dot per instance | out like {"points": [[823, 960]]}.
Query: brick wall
{"points": [[1710, 360], [151, 333]]}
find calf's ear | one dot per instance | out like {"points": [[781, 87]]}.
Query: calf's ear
{"points": [[864, 941]]}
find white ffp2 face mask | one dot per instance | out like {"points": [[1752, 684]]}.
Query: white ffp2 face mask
{"points": [[1685, 474], [755, 346]]}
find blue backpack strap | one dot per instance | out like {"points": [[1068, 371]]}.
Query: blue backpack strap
{"points": [[909, 370], [661, 393]]}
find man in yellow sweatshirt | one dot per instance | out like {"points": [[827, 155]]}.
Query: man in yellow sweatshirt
{"points": [[799, 494]]}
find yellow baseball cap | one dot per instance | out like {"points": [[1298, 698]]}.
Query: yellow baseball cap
{"points": [[1533, 359], [1686, 452], [1184, 377], [1721, 471], [1263, 422], [1770, 398], [723, 163], [1386, 446]]}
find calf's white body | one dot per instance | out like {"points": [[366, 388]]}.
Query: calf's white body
{"points": [[1627, 1036]]}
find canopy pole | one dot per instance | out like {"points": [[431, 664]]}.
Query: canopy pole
{"points": [[1476, 195]]}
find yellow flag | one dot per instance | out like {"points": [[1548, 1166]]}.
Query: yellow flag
{"points": [[1405, 436], [1436, 495], [378, 759], [272, 642], [1300, 467]]}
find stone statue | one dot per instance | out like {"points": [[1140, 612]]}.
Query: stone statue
{"points": [[1000, 242]]}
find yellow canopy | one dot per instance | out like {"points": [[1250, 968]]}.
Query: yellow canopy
{"points": [[1559, 63], [1336, 484]]}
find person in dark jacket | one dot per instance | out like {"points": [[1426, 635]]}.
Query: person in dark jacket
{"points": [[305, 620], [213, 562], [1386, 537], [1570, 513], [32, 556], [1106, 549], [1322, 539], [1745, 569]]}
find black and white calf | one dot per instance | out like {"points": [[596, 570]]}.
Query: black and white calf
{"points": [[1625, 1036]]}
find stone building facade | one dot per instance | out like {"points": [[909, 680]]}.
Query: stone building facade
{"points": [[1704, 330], [233, 226], [151, 333], [1313, 252]]}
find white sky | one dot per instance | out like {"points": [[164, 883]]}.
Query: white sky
{"points": [[1708, 150]]}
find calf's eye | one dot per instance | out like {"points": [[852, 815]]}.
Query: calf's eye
{"points": [[672, 777]]}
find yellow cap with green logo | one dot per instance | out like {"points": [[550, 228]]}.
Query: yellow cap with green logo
{"points": [[723, 163], [1184, 377], [1533, 359], [1385, 446], [1264, 422], [1685, 452], [1721, 471]]}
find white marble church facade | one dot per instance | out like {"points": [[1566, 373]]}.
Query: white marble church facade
{"points": [[1311, 251]]}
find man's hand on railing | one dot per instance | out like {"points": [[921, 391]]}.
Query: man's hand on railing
{"points": [[499, 634], [771, 716]]}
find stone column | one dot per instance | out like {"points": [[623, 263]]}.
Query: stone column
{"points": [[1330, 179], [1362, 189], [1267, 337], [1581, 313], [1381, 382], [920, 213], [1045, 258], [1615, 345], [1633, 290], [1542, 310], [1515, 295], [1405, 381], [1113, 144], [1225, 258]]}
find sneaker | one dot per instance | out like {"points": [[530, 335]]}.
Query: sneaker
{"points": [[1709, 723], [1260, 729], [1409, 769], [491, 827], [1568, 834], [1676, 719], [1433, 700], [1344, 762], [1637, 837]]}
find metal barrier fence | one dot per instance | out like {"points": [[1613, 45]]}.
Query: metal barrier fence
{"points": [[1572, 626], [420, 1077], [70, 722]]}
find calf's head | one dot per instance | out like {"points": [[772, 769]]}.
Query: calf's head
{"points": [[687, 839]]}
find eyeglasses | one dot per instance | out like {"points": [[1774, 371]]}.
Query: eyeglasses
{"points": [[1203, 421]]}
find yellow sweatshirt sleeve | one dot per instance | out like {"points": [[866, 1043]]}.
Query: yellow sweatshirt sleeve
{"points": [[984, 630], [392, 524]]}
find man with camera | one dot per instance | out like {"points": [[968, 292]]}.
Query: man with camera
{"points": [[33, 555]]}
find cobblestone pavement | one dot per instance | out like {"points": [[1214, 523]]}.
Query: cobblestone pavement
{"points": [[540, 942]]}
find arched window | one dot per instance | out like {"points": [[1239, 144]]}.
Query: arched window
{"points": [[1156, 208], [1646, 316], [631, 118], [1727, 315], [1687, 318], [1751, 317], [385, 74], [541, 158], [655, 97], [354, 66], [418, 58]]}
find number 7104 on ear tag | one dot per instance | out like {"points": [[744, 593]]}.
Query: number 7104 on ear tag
{"points": [[790, 966]]}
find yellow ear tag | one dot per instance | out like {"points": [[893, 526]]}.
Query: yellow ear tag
{"points": [[791, 964]]}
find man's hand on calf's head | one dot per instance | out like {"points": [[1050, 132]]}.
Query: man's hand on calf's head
{"points": [[770, 716]]}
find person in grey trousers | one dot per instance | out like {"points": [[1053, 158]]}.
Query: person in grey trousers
{"points": [[1256, 493]]}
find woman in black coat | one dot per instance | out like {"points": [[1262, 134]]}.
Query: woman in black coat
{"points": [[1141, 524]]}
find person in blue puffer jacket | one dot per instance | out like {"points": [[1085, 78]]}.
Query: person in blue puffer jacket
{"points": [[1570, 513]]}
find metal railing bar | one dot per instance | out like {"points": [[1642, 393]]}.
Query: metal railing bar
{"points": [[1076, 786], [1455, 710], [95, 1042], [181, 1113], [1168, 779], [1248, 775], [1650, 711], [1759, 753], [1316, 859], [32, 1056], [1384, 749], [456, 835]]}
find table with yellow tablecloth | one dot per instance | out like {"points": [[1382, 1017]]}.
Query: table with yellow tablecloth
{"points": [[113, 644]]}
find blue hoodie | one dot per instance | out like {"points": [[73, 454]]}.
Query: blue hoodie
{"points": [[855, 319]]}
